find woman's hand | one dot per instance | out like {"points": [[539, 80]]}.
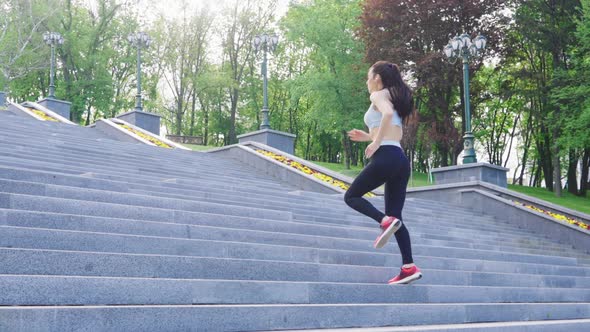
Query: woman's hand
{"points": [[370, 150], [359, 136]]}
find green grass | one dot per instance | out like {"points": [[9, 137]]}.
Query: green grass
{"points": [[195, 147], [417, 179], [567, 200]]}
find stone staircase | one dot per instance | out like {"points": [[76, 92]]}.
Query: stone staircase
{"points": [[102, 235]]}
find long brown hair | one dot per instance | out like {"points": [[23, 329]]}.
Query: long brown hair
{"points": [[400, 93]]}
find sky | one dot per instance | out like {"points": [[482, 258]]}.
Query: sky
{"points": [[172, 8]]}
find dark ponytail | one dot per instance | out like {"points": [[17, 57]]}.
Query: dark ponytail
{"points": [[400, 93]]}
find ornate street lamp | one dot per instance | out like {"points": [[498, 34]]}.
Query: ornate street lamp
{"points": [[139, 40], [52, 39], [266, 43], [462, 47]]}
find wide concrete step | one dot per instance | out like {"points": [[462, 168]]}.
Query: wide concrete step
{"points": [[96, 144], [269, 231], [276, 317], [121, 191], [440, 222], [27, 136], [466, 221], [122, 197], [67, 192], [566, 325], [162, 211], [223, 192], [333, 214], [60, 144], [176, 159], [148, 178], [251, 205], [137, 170], [423, 246], [18, 123], [25, 290], [313, 250], [267, 198], [226, 228], [488, 228], [163, 185], [142, 211], [78, 263]]}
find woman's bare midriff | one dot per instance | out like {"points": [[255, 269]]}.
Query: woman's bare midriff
{"points": [[392, 133]]}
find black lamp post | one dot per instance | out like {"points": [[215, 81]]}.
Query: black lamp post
{"points": [[265, 43], [461, 47], [52, 39], [139, 40]]}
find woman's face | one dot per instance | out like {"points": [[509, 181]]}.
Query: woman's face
{"points": [[373, 81]]}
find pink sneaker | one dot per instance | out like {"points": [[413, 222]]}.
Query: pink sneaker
{"points": [[389, 226], [406, 276]]}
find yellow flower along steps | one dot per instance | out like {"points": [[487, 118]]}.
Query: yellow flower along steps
{"points": [[144, 136], [557, 216], [42, 114]]}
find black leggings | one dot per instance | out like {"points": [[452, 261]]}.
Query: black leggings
{"points": [[388, 165]]}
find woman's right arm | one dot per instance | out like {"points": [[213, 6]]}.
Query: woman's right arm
{"points": [[359, 136]]}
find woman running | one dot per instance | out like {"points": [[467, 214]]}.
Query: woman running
{"points": [[391, 104]]}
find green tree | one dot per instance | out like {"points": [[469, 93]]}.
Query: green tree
{"points": [[333, 81], [242, 20], [22, 49]]}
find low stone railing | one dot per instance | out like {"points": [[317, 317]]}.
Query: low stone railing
{"points": [[538, 216], [38, 112], [125, 131]]}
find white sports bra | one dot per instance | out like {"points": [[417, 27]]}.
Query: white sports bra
{"points": [[373, 118]]}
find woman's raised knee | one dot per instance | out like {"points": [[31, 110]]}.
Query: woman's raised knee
{"points": [[349, 198]]}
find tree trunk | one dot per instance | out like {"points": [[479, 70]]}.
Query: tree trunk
{"points": [[354, 154], [347, 148], [572, 178], [192, 128], [556, 167], [545, 160], [511, 139], [232, 126], [556, 52], [308, 143], [533, 174], [539, 174], [88, 115], [179, 118], [527, 139], [206, 125], [514, 179], [444, 156], [585, 171]]}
